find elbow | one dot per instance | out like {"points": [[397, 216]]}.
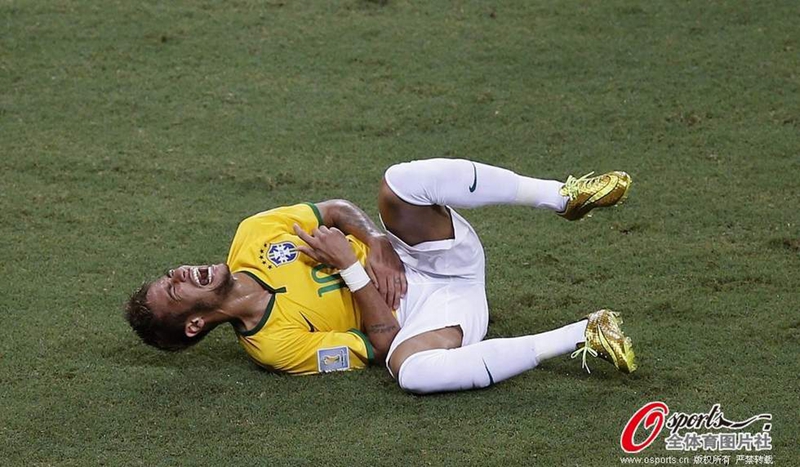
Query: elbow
{"points": [[341, 203], [332, 211]]}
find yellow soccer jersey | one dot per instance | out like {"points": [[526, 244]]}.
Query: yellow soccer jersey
{"points": [[312, 324]]}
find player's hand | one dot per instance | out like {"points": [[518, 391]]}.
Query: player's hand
{"points": [[387, 272], [327, 246]]}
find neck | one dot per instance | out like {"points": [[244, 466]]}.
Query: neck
{"points": [[245, 304]]}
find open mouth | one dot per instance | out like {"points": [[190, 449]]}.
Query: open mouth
{"points": [[202, 275]]}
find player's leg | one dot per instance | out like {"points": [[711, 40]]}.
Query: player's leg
{"points": [[436, 318], [422, 371], [413, 193], [460, 183], [488, 362], [429, 347], [440, 345]]}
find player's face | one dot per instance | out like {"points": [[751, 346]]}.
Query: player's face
{"points": [[191, 287]]}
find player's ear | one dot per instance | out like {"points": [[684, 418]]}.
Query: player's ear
{"points": [[194, 326]]}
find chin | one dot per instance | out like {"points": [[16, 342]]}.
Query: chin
{"points": [[225, 280]]}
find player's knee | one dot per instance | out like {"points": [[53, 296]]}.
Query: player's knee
{"points": [[401, 171], [400, 177], [414, 181], [415, 170], [418, 370], [408, 377]]}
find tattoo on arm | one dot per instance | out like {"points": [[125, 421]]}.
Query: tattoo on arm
{"points": [[381, 328]]}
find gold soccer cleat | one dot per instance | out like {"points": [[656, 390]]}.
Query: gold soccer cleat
{"points": [[587, 193], [605, 339]]}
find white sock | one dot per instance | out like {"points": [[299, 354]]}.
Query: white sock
{"points": [[541, 194], [485, 363], [465, 184]]}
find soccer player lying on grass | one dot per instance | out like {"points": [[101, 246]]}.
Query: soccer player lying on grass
{"points": [[314, 288]]}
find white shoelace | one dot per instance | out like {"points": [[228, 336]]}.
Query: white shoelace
{"points": [[583, 351]]}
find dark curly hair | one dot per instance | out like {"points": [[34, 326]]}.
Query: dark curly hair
{"points": [[165, 332]]}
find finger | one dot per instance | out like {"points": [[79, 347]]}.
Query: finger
{"points": [[304, 236], [388, 296], [310, 252], [327, 233], [300, 232], [323, 233], [398, 290], [372, 276], [403, 284], [395, 297]]}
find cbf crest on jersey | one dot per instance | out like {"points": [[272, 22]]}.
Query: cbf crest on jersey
{"points": [[279, 253]]}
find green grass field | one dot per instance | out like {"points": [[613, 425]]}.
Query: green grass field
{"points": [[134, 136]]}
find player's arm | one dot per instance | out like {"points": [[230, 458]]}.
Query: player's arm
{"points": [[383, 265], [300, 352], [329, 246]]}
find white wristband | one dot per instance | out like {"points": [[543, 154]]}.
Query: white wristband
{"points": [[355, 276]]}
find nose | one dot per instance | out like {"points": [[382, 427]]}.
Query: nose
{"points": [[179, 274]]}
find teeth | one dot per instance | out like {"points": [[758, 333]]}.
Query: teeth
{"points": [[210, 274], [196, 275]]}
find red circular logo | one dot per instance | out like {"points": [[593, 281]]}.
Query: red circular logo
{"points": [[652, 416]]}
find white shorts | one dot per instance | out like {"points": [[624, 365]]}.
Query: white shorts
{"points": [[446, 286]]}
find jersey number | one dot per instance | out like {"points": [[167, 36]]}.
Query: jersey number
{"points": [[325, 278]]}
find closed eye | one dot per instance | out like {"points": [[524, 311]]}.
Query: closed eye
{"points": [[171, 293]]}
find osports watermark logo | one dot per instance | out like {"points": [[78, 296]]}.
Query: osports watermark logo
{"points": [[652, 417], [709, 431]]}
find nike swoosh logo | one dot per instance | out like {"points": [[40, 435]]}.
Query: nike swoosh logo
{"points": [[310, 326], [602, 193], [475, 181], [606, 346], [491, 379]]}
